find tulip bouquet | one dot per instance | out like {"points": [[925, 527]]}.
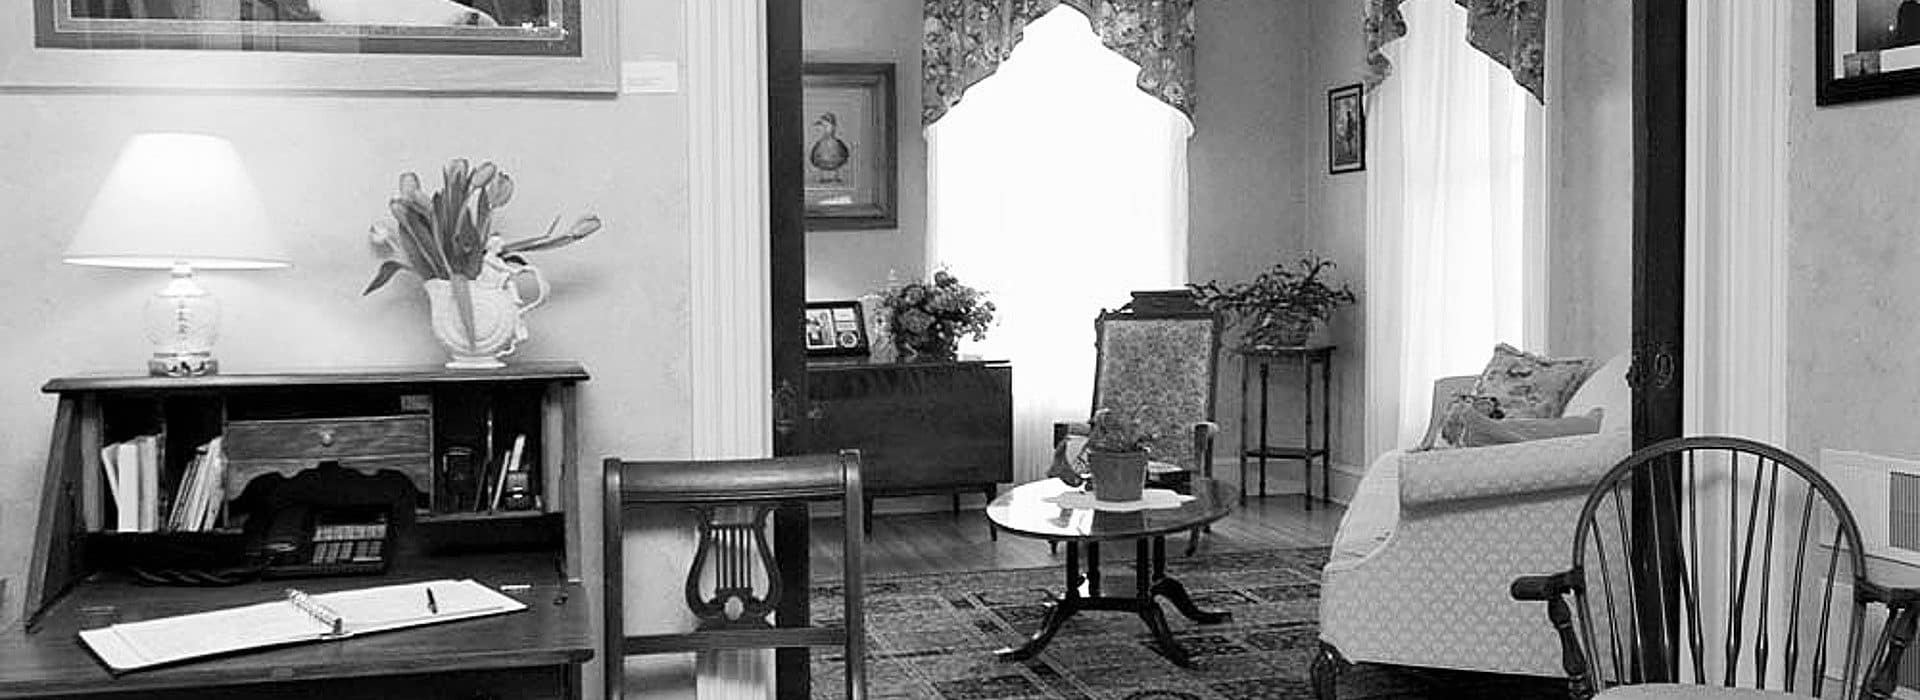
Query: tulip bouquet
{"points": [[447, 238], [449, 235]]}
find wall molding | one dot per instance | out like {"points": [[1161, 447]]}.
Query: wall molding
{"points": [[727, 210], [1737, 218], [730, 371]]}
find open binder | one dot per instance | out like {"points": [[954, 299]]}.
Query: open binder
{"points": [[296, 619]]}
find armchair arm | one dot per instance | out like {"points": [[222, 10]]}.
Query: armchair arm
{"points": [[1553, 589], [1903, 615], [1537, 466], [1203, 434]]}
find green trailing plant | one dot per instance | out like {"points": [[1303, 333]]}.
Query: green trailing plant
{"points": [[1112, 431], [1281, 299]]}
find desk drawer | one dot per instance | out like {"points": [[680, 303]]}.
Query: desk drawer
{"points": [[329, 438]]}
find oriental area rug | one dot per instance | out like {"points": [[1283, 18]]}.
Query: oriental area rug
{"points": [[933, 636]]}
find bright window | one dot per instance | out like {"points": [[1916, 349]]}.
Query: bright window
{"points": [[1058, 186]]}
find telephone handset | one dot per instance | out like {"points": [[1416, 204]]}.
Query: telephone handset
{"points": [[330, 521], [325, 521]]}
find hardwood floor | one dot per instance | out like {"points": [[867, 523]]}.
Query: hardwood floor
{"points": [[944, 542]]}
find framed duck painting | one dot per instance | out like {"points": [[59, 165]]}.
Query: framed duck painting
{"points": [[851, 151], [389, 45]]}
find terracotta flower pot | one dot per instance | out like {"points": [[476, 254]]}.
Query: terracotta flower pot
{"points": [[1117, 476]]}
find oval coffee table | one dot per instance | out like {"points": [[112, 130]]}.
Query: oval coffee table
{"points": [[1025, 511]]}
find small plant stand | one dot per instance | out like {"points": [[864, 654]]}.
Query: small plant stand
{"points": [[1306, 451]]}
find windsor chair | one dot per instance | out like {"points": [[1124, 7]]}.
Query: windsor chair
{"points": [[1721, 567]]}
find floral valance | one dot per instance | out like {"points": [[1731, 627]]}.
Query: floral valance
{"points": [[967, 39], [1511, 32]]}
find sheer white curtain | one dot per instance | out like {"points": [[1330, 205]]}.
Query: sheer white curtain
{"points": [[1058, 187], [1447, 208]]}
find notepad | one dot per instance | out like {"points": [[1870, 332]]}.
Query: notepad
{"points": [[294, 619]]}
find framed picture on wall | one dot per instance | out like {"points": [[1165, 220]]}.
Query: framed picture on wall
{"points": [[405, 45], [835, 328], [1346, 130], [851, 153], [1867, 49]]}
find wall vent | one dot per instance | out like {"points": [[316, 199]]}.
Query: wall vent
{"points": [[1903, 511]]}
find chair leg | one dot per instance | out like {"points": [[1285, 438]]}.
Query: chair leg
{"points": [[1328, 666], [1193, 540]]}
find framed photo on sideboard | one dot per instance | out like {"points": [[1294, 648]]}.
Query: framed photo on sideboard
{"points": [[835, 328]]}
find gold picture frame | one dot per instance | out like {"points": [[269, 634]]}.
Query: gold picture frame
{"points": [[545, 46]]}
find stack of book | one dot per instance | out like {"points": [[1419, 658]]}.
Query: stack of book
{"points": [[196, 504], [131, 474], [132, 469]]}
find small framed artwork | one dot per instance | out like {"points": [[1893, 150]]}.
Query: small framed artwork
{"points": [[835, 328], [565, 46], [1867, 49], [1346, 130], [851, 154]]}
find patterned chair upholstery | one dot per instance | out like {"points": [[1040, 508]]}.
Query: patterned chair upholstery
{"points": [[1431, 540], [1158, 366]]}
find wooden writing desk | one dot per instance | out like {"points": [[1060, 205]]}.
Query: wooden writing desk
{"points": [[76, 579]]}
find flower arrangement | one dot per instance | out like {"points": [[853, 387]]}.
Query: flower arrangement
{"points": [[1284, 303], [449, 234], [927, 319]]}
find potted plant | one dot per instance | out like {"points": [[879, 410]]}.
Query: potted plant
{"points": [[1283, 304], [1117, 448]]}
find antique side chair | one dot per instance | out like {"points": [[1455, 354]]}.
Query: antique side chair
{"points": [[1158, 362]]}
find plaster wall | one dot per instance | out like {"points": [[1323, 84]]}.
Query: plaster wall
{"points": [[325, 164], [847, 264], [1852, 269], [1247, 203]]}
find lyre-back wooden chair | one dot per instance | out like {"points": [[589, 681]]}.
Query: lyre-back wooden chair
{"points": [[730, 502], [1706, 564]]}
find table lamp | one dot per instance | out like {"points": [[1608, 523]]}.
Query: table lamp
{"points": [[178, 202]]}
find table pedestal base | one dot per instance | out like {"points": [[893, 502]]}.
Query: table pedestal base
{"points": [[1150, 581]]}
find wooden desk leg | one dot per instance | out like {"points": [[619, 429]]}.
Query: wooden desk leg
{"points": [[991, 491]]}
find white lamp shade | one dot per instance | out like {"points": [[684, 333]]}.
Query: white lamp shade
{"points": [[176, 199]]}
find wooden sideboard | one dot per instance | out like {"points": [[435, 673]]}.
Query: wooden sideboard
{"points": [[384, 420], [921, 427]]}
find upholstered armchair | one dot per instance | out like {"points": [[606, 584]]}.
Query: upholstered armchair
{"points": [[1158, 364], [1420, 567]]}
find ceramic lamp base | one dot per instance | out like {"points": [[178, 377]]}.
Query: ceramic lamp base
{"points": [[190, 364]]}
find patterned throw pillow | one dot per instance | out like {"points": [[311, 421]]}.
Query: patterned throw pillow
{"points": [[1454, 419], [1479, 431], [1529, 385]]}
